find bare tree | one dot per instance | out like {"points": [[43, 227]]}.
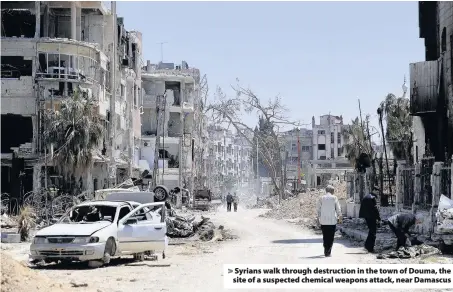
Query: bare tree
{"points": [[229, 111]]}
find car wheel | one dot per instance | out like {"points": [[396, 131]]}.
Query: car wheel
{"points": [[110, 249], [160, 194]]}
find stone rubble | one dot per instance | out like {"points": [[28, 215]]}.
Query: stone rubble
{"points": [[302, 208], [444, 216], [410, 252]]}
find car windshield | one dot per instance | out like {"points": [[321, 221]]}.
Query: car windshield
{"points": [[91, 213]]}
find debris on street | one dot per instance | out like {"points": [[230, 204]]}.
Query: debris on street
{"points": [[302, 207], [17, 277], [7, 222], [444, 216], [204, 229], [410, 252]]}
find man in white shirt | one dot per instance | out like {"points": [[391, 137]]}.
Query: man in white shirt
{"points": [[329, 214]]}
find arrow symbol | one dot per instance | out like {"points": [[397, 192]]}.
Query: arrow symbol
{"points": [[230, 271]]}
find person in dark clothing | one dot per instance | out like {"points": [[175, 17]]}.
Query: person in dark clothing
{"points": [[229, 200], [370, 212], [400, 224]]}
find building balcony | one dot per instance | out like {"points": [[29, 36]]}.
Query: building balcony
{"points": [[424, 85], [69, 60]]}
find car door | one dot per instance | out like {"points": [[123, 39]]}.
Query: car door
{"points": [[125, 232], [145, 234]]}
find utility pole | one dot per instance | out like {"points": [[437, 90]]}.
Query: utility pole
{"points": [[257, 170], [159, 99], [298, 158], [113, 88]]}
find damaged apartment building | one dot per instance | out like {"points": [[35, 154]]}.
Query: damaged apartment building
{"points": [[171, 119], [431, 84], [229, 161], [49, 50]]}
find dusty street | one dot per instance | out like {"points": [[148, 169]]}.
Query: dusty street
{"points": [[188, 268]]}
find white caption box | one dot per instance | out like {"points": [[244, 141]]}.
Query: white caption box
{"points": [[338, 276]]}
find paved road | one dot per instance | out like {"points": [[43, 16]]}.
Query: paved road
{"points": [[199, 268]]}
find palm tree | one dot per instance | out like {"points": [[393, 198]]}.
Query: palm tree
{"points": [[75, 130], [399, 125]]}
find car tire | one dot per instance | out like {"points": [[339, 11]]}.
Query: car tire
{"points": [[110, 250], [160, 194], [95, 264]]}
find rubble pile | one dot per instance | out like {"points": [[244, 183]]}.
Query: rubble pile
{"points": [[444, 216], [204, 229], [303, 206], [16, 277], [7, 222], [360, 224], [410, 252]]}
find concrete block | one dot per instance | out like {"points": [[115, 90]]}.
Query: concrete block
{"points": [[10, 237], [352, 210]]}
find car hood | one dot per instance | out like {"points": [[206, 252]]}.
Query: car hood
{"points": [[76, 229]]}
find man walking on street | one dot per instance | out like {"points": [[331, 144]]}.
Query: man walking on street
{"points": [[235, 202], [400, 224], [229, 200], [329, 214], [370, 212]]}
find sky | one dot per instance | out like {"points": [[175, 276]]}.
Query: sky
{"points": [[320, 57]]}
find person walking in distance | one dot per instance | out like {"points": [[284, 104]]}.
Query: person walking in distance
{"points": [[329, 214], [235, 202], [229, 200], [370, 212]]}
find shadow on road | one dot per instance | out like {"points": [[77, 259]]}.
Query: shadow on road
{"points": [[301, 240], [343, 242], [74, 266], [313, 257]]}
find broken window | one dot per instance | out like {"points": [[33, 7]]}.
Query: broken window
{"points": [[321, 132], [444, 40], [339, 138], [15, 67], [332, 137], [16, 130], [176, 87], [19, 23], [332, 153]]}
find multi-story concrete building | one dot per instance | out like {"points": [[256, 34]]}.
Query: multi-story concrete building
{"points": [[431, 83], [49, 50], [174, 91], [229, 160], [299, 148], [329, 155]]}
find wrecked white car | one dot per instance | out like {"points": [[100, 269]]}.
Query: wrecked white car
{"points": [[98, 230]]}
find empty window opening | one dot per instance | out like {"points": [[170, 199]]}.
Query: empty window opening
{"points": [[15, 67], [174, 125], [332, 153], [19, 23], [332, 137], [16, 130], [176, 87], [321, 146], [321, 132]]}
